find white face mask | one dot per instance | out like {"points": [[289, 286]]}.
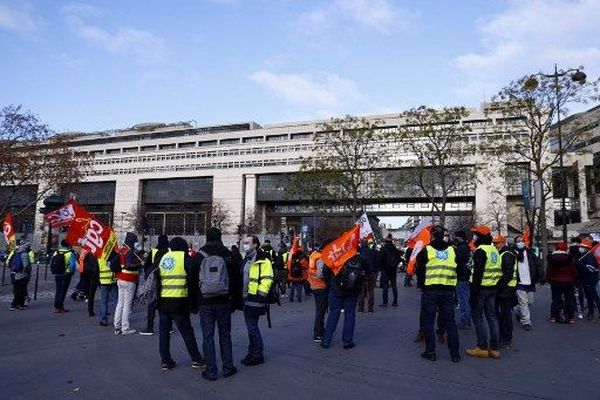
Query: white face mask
{"points": [[247, 248], [475, 237], [520, 245], [583, 250]]}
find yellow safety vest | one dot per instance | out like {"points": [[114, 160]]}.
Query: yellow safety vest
{"points": [[441, 267], [107, 277], [67, 255], [31, 256], [261, 279], [173, 283], [493, 269], [513, 279]]}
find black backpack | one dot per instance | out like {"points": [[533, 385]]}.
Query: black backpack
{"points": [[352, 274], [57, 263], [392, 260], [296, 271], [272, 297]]}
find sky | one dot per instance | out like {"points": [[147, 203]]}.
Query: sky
{"points": [[98, 65]]}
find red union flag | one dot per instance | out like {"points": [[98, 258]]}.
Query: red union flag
{"points": [[92, 235], [596, 251], [65, 215], [8, 228], [420, 238], [336, 253]]}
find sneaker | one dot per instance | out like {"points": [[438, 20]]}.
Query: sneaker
{"points": [[552, 320], [11, 308], [571, 322], [494, 354], [167, 366], [23, 307], [317, 339], [208, 377], [128, 332], [455, 358], [147, 332], [477, 352], [199, 364], [230, 373], [118, 331], [429, 355], [506, 345], [527, 327], [579, 315], [349, 346], [252, 361], [103, 323], [57, 311]]}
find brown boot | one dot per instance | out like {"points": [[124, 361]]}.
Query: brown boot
{"points": [[477, 352], [495, 354]]}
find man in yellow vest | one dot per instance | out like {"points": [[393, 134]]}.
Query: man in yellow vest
{"points": [[178, 293], [257, 274], [152, 262], [487, 271], [506, 296], [108, 286], [437, 277], [63, 277]]}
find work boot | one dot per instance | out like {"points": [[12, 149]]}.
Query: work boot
{"points": [[420, 337], [429, 355], [477, 352], [495, 354]]}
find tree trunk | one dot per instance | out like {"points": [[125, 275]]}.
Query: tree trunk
{"points": [[543, 230]]}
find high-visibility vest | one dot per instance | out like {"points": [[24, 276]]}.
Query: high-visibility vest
{"points": [[173, 283], [313, 263], [493, 268], [31, 256], [513, 279], [441, 267], [261, 279], [107, 277], [67, 255]]}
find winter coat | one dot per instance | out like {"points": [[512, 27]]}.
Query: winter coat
{"points": [[587, 269], [334, 282], [389, 258], [562, 269], [479, 261], [463, 257], [536, 268], [369, 257], [509, 259], [300, 258], [421, 267], [181, 305], [234, 297]]}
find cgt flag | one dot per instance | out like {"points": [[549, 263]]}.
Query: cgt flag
{"points": [[8, 228], [420, 238], [93, 236], [65, 215], [336, 253]]}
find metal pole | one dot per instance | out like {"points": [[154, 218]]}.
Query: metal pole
{"points": [[3, 273], [560, 151], [37, 278]]}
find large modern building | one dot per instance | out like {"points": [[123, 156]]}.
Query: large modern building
{"points": [[171, 175]]}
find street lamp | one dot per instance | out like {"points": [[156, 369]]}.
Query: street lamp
{"points": [[531, 84]]}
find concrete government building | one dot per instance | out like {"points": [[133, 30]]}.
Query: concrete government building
{"points": [[171, 173]]}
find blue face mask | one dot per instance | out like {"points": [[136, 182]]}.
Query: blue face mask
{"points": [[247, 248], [520, 245]]}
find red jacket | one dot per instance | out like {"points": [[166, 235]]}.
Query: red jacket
{"points": [[561, 268], [304, 263]]}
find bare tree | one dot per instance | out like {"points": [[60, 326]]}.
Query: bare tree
{"points": [[252, 223], [220, 216]]}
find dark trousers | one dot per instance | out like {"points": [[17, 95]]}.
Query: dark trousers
{"points": [[91, 295], [367, 293], [219, 315], [407, 280], [19, 292], [591, 296], [337, 302], [150, 314], [307, 289], [296, 288], [388, 280], [255, 342], [504, 307], [184, 325], [486, 304], [321, 302], [563, 297], [440, 303], [62, 286]]}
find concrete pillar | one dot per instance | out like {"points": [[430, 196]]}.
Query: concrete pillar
{"points": [[583, 200], [127, 200], [490, 196], [228, 188], [250, 192]]}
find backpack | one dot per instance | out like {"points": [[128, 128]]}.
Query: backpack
{"points": [[214, 278], [57, 263], [352, 274], [296, 271], [392, 261], [147, 292], [272, 297], [16, 263]]}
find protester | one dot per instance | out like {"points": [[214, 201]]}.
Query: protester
{"points": [[344, 288], [407, 276], [20, 270], [236, 257], [389, 258], [580, 295], [220, 294], [177, 288], [298, 274], [268, 250], [83, 286], [436, 272], [463, 259], [126, 283], [62, 266], [506, 297], [530, 272], [320, 292], [281, 279], [151, 264], [90, 265], [562, 277], [257, 273], [487, 272], [367, 294], [108, 285], [587, 269]]}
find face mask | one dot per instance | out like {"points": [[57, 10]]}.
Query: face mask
{"points": [[247, 248], [583, 250], [446, 239], [475, 237], [520, 245]]}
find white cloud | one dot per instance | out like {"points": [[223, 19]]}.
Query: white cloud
{"points": [[18, 17], [323, 90], [143, 45], [532, 35]]}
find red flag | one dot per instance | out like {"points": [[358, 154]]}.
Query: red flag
{"points": [[295, 248], [596, 251], [336, 253], [419, 239], [65, 215], [527, 238], [92, 235], [8, 227]]}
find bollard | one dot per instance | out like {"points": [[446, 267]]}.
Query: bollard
{"points": [[37, 278]]}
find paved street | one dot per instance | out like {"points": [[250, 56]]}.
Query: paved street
{"points": [[50, 356]]}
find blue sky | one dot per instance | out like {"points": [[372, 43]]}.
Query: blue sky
{"points": [[98, 65]]}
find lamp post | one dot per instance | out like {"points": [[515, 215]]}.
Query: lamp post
{"points": [[532, 83]]}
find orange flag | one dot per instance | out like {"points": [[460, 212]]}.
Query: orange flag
{"points": [[417, 242], [295, 248], [8, 227], [527, 238], [336, 253], [596, 251]]}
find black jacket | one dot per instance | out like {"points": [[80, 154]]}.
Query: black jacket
{"points": [[479, 261], [181, 305], [369, 257], [463, 256], [389, 258], [587, 269], [421, 267], [334, 282], [234, 298], [536, 268], [508, 258]]}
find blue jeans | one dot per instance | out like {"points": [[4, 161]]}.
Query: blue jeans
{"points": [[255, 342], [108, 293], [219, 314], [184, 325], [486, 304], [462, 294], [336, 303], [297, 287], [62, 286], [440, 302]]}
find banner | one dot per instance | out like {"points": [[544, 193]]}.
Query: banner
{"points": [[8, 227], [366, 231], [65, 215], [527, 238], [336, 253], [295, 248], [596, 252], [418, 240]]}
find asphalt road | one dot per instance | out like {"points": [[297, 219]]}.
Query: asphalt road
{"points": [[49, 356]]}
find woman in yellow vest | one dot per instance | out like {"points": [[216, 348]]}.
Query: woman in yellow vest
{"points": [[487, 271], [506, 296]]}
